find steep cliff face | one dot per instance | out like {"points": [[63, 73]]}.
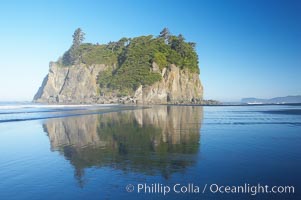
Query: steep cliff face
{"points": [[176, 86], [78, 84]]}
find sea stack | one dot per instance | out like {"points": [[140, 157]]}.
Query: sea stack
{"points": [[141, 70]]}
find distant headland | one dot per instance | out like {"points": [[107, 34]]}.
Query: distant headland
{"points": [[275, 100]]}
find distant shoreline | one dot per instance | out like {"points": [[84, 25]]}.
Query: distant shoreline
{"points": [[266, 104], [43, 105], [234, 104]]}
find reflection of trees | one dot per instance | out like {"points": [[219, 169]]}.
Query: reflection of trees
{"points": [[162, 139]]}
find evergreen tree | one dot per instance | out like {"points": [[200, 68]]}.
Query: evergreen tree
{"points": [[72, 56], [165, 34], [78, 37]]}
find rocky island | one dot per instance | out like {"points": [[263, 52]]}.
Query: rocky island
{"points": [[140, 70]]}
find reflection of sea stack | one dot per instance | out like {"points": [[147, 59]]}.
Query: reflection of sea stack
{"points": [[145, 140], [77, 131], [178, 123]]}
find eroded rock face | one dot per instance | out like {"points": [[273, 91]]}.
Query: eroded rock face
{"points": [[176, 86], [75, 84], [78, 84]]}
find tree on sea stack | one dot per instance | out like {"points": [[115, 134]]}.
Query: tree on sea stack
{"points": [[78, 37], [72, 56], [165, 35]]}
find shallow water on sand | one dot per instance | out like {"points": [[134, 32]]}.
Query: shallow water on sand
{"points": [[95, 152]]}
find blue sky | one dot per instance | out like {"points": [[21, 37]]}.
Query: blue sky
{"points": [[246, 48]]}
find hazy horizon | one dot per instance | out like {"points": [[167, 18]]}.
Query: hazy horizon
{"points": [[246, 48]]}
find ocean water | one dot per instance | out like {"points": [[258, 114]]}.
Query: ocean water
{"points": [[153, 152]]}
